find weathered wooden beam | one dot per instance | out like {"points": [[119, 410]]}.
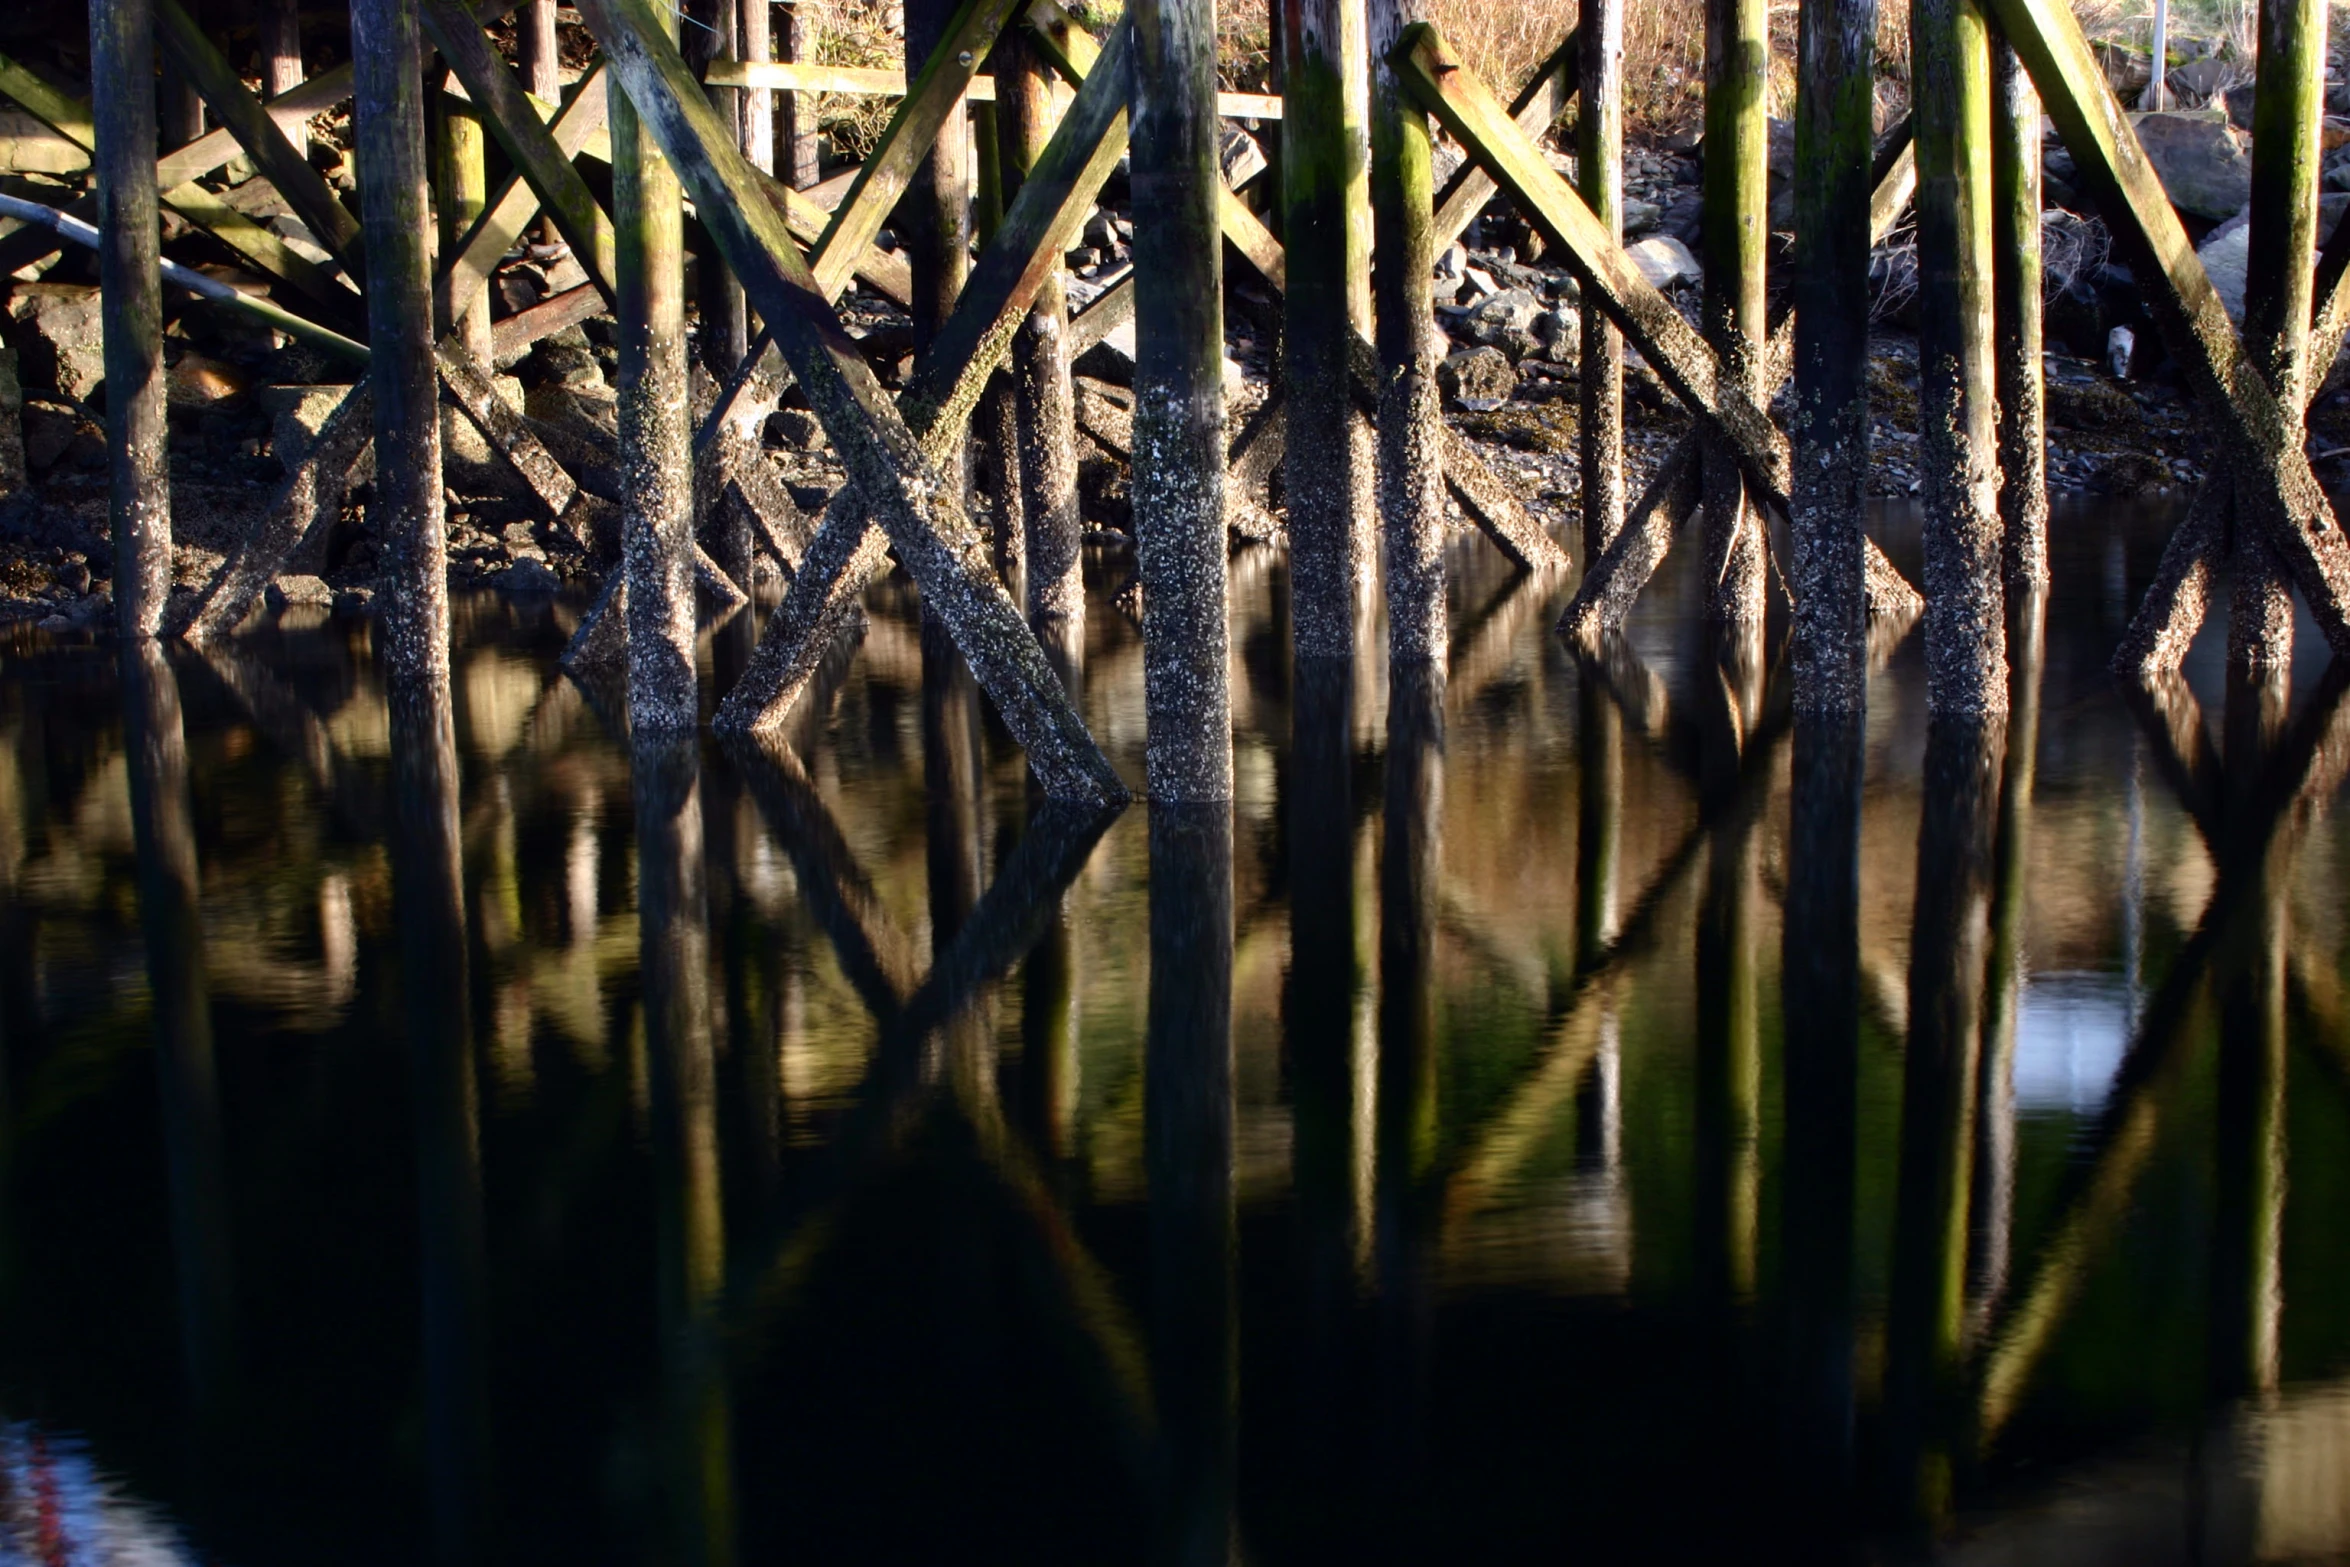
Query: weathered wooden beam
{"points": [[510, 209], [1837, 220], [1535, 110], [122, 69], [259, 135], [924, 523], [863, 81], [1454, 95], [512, 119], [2276, 492], [388, 125], [508, 433], [1599, 175]]}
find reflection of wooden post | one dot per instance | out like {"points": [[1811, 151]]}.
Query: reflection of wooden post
{"points": [[1599, 175], [1737, 232], [657, 514], [1599, 793], [1994, 1170], [1179, 400], [1833, 143], [1728, 1044], [673, 938], [1411, 464], [1325, 166], [1948, 934], [172, 923], [2278, 286], [1187, 1156], [130, 273], [2015, 246], [388, 124], [1965, 631], [1820, 989]]}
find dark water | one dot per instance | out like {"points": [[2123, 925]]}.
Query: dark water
{"points": [[1612, 1147]]}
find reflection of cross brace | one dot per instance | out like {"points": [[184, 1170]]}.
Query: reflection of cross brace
{"points": [[1671, 346], [2260, 441], [2295, 782], [878, 960]]}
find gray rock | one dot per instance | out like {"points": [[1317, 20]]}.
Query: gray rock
{"points": [[2224, 256], [1642, 218], [297, 413], [295, 589], [12, 454], [1242, 158], [48, 433], [1112, 360], [2200, 79], [54, 328], [1478, 379], [795, 428], [528, 575], [2202, 164], [1665, 262], [1513, 310], [566, 358], [1453, 262], [1554, 328], [1098, 232]]}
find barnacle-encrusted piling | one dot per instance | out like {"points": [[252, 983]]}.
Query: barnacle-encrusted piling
{"points": [[1411, 415], [2278, 284], [130, 271], [1966, 659], [656, 456], [1736, 236], [1599, 179], [281, 58], [1045, 411], [718, 296], [1179, 401], [2016, 312], [388, 124], [1834, 100], [1325, 171]]}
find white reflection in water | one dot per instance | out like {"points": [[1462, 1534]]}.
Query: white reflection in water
{"points": [[2071, 1031], [57, 1509]]}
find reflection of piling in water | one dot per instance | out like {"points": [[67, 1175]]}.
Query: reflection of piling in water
{"points": [[1599, 770], [1187, 1152], [1820, 987], [1729, 1068], [1948, 935], [429, 901], [673, 934], [171, 922], [1993, 1200]]}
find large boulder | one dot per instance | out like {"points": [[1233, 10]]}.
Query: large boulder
{"points": [[1501, 320], [2202, 163], [297, 414], [1665, 262], [2225, 255], [1478, 379], [55, 330]]}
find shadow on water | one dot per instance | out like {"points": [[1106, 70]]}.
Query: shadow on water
{"points": [[1563, 1102]]}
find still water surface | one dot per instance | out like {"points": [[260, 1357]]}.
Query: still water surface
{"points": [[522, 1151]]}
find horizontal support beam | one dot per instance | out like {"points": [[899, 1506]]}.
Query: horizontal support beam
{"points": [[859, 81]]}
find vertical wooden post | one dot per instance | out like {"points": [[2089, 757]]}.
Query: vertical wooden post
{"points": [[1179, 401], [2279, 282], [802, 166], [1046, 410], [934, 215], [464, 192], [1966, 658], [179, 107], [281, 58], [1736, 235], [1411, 464], [1834, 102], [1599, 179], [2157, 96], [995, 425], [2015, 247], [130, 275], [540, 55], [755, 42], [725, 335], [656, 436], [1325, 170]]}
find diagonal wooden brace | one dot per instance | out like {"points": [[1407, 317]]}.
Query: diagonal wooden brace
{"points": [[1612, 583], [2261, 441], [917, 506], [846, 554]]}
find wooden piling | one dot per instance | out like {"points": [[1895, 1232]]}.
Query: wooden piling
{"points": [[2279, 285], [1179, 400], [657, 512], [1411, 415], [710, 38], [2016, 312], [281, 58], [1965, 631], [755, 45], [1325, 168], [934, 215], [1735, 240], [1834, 141], [1045, 408], [795, 111], [1599, 177], [995, 429], [464, 194], [130, 273], [539, 54], [388, 126]]}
